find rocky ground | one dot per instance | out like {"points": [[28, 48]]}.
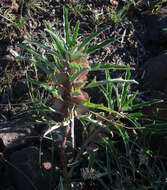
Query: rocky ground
{"points": [[142, 45]]}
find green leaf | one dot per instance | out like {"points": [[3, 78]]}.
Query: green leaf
{"points": [[156, 128], [100, 66], [125, 88], [164, 29], [124, 107], [75, 34], [106, 94], [58, 43], [46, 87], [47, 25], [58, 63], [125, 138], [115, 153], [66, 28], [78, 73], [133, 120], [98, 46], [117, 97], [45, 69], [92, 36], [48, 48], [143, 104], [33, 52], [39, 108], [43, 66], [136, 115], [76, 55], [100, 107], [109, 89], [98, 83]]}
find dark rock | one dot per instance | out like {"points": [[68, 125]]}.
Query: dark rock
{"points": [[11, 188], [26, 172], [155, 25], [14, 132], [154, 74]]}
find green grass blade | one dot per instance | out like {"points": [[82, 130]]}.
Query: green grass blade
{"points": [[137, 115], [105, 93], [66, 28], [117, 97], [164, 29], [124, 107], [156, 128], [125, 87], [47, 25], [133, 120], [109, 90], [108, 86], [75, 35], [115, 152], [125, 138], [93, 35]]}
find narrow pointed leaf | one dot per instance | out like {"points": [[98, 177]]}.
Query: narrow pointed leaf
{"points": [[77, 74], [33, 52], [125, 138], [100, 66], [75, 35], [48, 48], [117, 97], [66, 28], [125, 88], [160, 128], [133, 121], [92, 36], [58, 43], [98, 83], [43, 66], [46, 87], [100, 107], [143, 104], [124, 107], [98, 46], [47, 25]]}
